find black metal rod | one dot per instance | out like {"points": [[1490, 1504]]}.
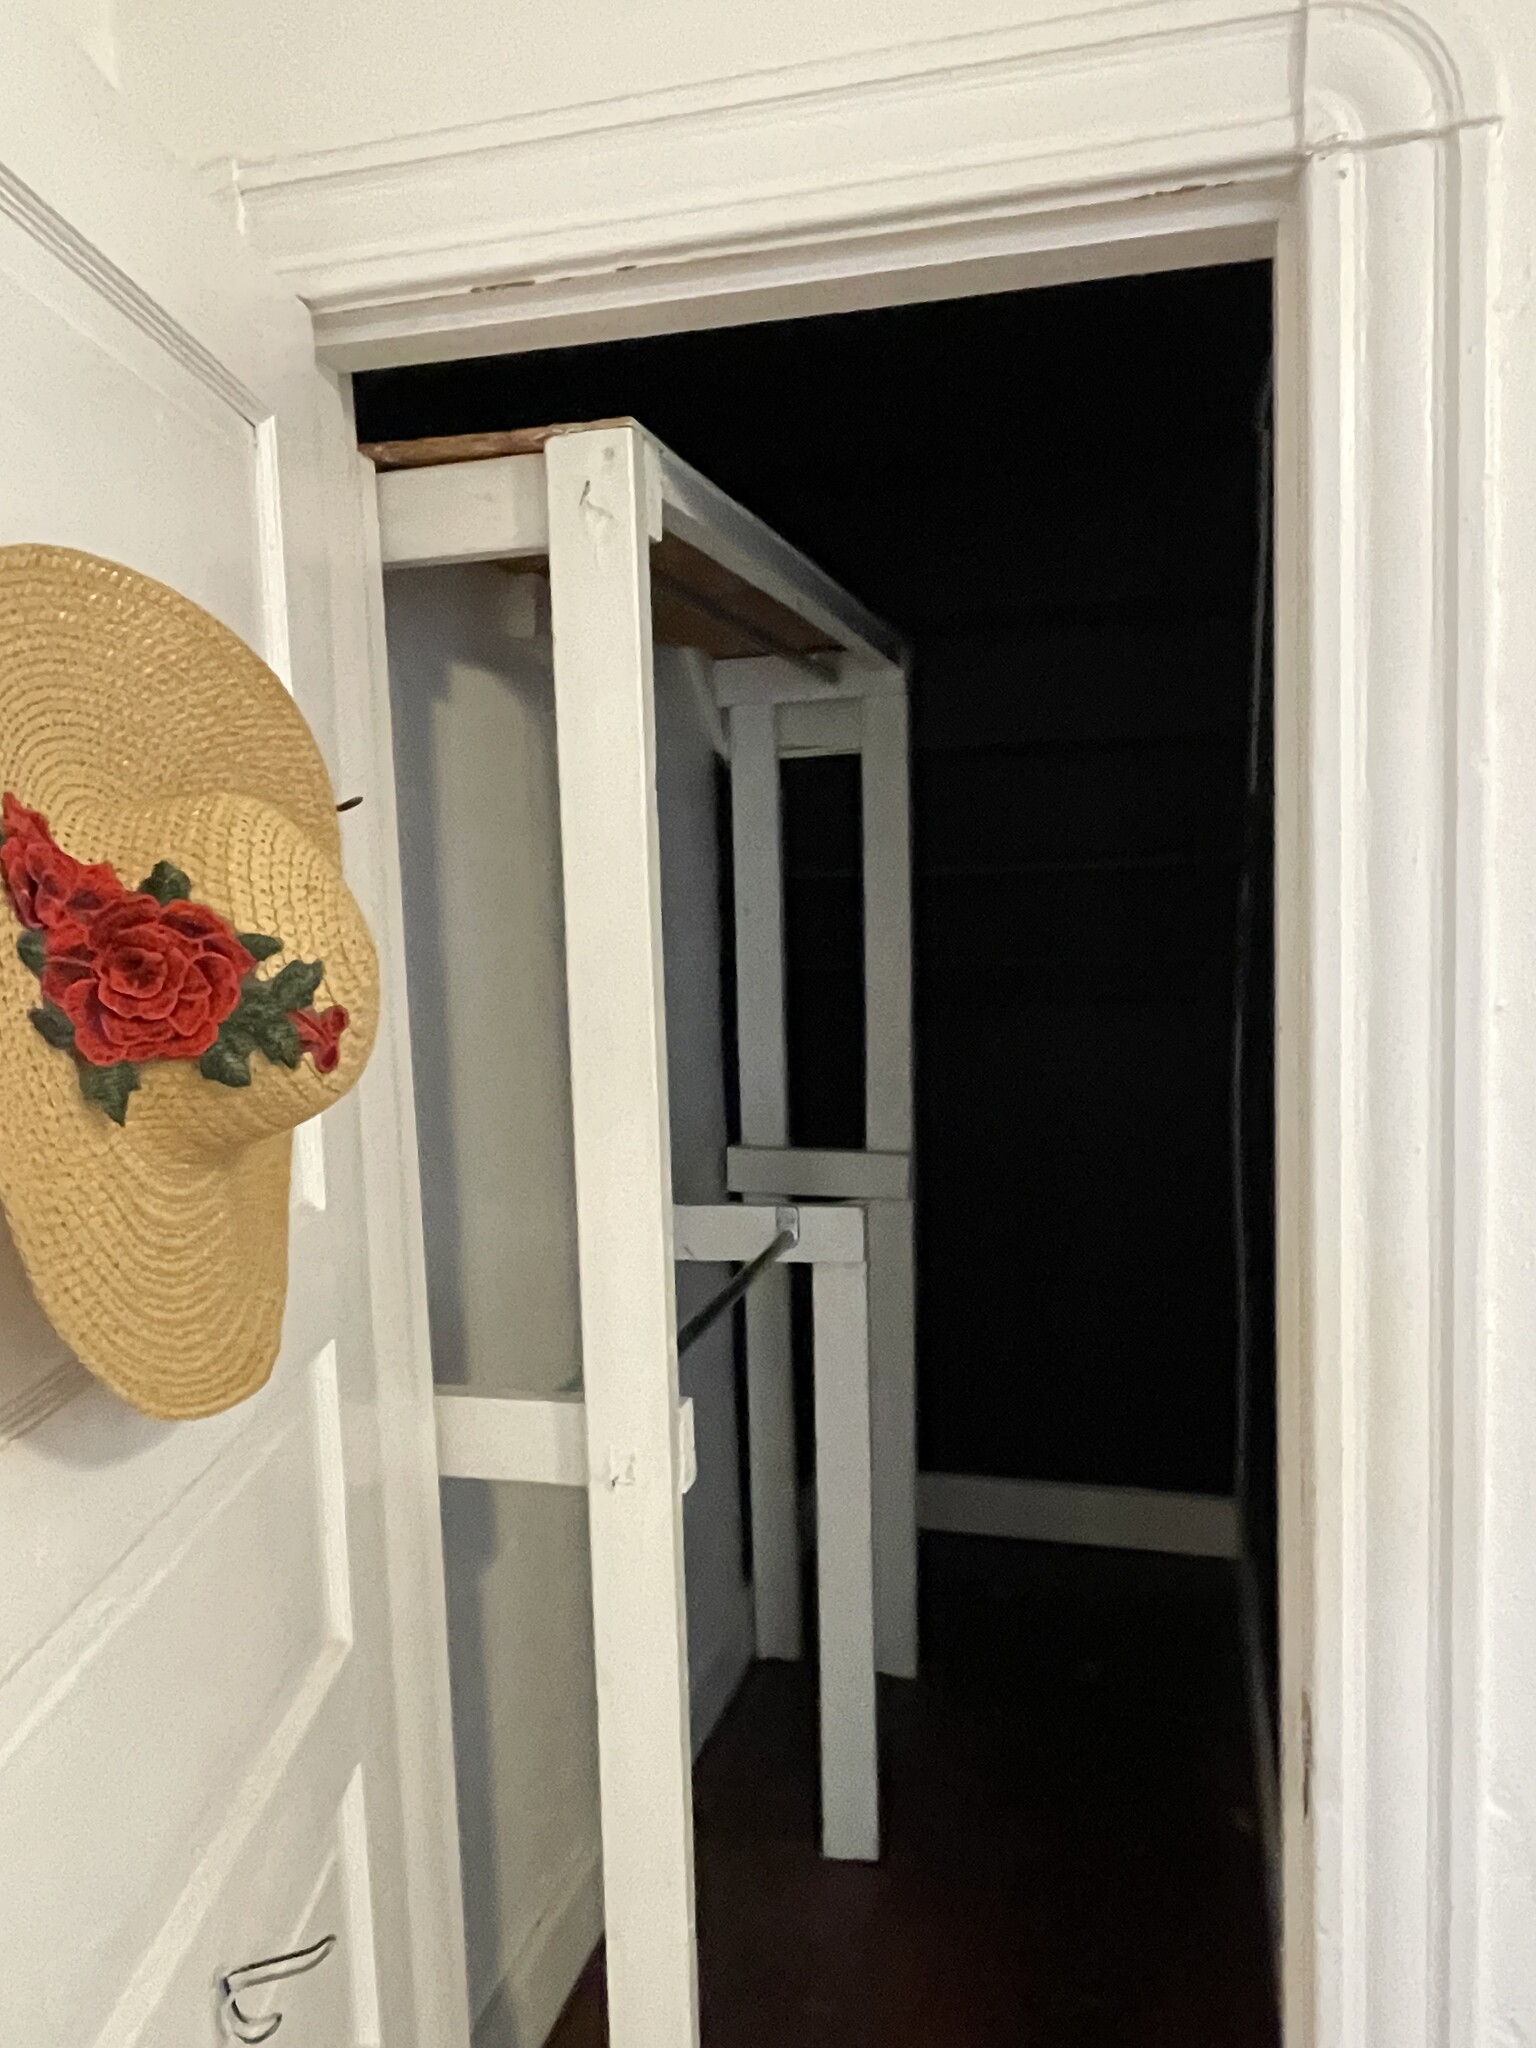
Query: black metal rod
{"points": [[733, 1290]]}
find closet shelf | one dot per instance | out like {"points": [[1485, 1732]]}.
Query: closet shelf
{"points": [[696, 601]]}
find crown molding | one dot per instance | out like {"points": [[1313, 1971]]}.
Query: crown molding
{"points": [[1383, 72], [1129, 100], [939, 130]]}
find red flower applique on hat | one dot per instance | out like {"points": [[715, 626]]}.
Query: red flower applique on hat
{"points": [[131, 976]]}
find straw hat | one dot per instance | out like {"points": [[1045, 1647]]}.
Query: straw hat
{"points": [[146, 733]]}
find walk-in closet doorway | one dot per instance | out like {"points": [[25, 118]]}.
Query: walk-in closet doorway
{"points": [[1061, 500]]}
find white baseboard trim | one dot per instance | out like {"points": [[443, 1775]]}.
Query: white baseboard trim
{"points": [[1106, 1517], [521, 2012], [1266, 1764]]}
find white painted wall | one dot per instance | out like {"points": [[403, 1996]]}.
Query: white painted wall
{"points": [[290, 76], [719, 1604], [474, 743], [475, 755], [91, 24]]}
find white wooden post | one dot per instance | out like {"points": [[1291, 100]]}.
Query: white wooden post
{"points": [[603, 511], [850, 1765], [772, 1477], [887, 927], [757, 859], [893, 1399], [888, 1128]]}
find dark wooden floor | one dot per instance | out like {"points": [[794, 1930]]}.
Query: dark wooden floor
{"points": [[1072, 1852]]}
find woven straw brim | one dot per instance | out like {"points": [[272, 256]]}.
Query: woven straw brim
{"points": [[145, 730]]}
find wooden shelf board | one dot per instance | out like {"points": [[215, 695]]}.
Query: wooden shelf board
{"points": [[695, 600]]}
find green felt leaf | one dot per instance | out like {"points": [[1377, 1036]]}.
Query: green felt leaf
{"points": [[227, 1061], [109, 1087], [166, 883], [256, 993], [33, 948], [239, 1032], [260, 945], [278, 1037], [51, 1021], [294, 987]]}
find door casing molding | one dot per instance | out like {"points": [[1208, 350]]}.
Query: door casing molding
{"points": [[1351, 143]]}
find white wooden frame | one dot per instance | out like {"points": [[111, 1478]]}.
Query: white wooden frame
{"points": [[543, 1439], [1351, 143], [592, 501], [496, 510], [532, 1439], [867, 717], [834, 1242]]}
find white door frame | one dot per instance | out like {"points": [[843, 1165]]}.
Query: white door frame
{"points": [[1354, 143]]}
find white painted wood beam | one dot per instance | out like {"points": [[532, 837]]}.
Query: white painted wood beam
{"points": [[518, 1438], [893, 1404], [762, 1065], [735, 1232], [887, 928], [888, 1120], [719, 1232], [765, 679], [496, 510], [492, 511], [808, 1174], [601, 521], [833, 726], [700, 513], [757, 871], [773, 1489], [850, 1760], [529, 1439]]}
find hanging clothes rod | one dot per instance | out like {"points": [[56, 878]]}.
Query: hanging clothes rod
{"points": [[788, 1220]]}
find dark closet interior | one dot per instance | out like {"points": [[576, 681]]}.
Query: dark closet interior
{"points": [[1061, 497]]}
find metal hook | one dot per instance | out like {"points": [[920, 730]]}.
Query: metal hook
{"points": [[787, 1224], [270, 1971]]}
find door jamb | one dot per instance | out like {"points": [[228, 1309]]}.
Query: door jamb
{"points": [[1382, 852]]}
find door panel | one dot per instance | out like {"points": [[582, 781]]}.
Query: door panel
{"points": [[258, 1542], [303, 1874], [211, 1654]]}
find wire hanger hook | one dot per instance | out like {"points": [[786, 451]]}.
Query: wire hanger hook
{"points": [[271, 1971]]}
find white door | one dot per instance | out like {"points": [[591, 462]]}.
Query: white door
{"points": [[223, 1692]]}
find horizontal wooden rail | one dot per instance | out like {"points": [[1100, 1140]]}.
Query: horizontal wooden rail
{"points": [[528, 1439], [798, 1172], [541, 1440], [723, 1232], [472, 512], [762, 679]]}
